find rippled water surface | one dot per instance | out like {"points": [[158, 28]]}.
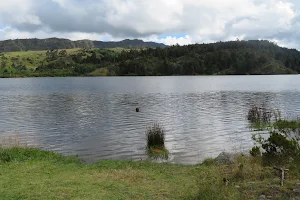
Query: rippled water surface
{"points": [[96, 119]]}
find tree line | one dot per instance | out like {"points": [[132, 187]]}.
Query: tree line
{"points": [[220, 58], [236, 57]]}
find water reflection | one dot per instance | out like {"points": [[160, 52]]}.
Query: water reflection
{"points": [[96, 118]]}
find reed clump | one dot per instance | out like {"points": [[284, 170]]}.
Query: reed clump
{"points": [[8, 140], [155, 136], [259, 114]]}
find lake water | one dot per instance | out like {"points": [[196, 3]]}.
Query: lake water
{"points": [[96, 118]]}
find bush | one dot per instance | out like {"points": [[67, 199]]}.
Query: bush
{"points": [[80, 69], [278, 148], [155, 136], [255, 151]]}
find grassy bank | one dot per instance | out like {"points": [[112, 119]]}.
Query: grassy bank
{"points": [[27, 173], [36, 174], [63, 62]]}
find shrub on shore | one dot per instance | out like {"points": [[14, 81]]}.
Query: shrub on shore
{"points": [[281, 146], [278, 148]]}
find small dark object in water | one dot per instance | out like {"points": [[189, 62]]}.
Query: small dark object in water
{"points": [[137, 110]]}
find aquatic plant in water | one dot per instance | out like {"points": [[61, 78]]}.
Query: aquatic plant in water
{"points": [[155, 136], [259, 114], [262, 117]]}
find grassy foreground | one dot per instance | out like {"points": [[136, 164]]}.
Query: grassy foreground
{"points": [[27, 173]]}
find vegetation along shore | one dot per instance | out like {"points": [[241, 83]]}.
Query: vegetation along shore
{"points": [[271, 170], [136, 58]]}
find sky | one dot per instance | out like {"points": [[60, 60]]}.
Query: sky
{"points": [[166, 21]]}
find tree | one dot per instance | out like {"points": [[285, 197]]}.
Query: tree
{"points": [[63, 53]]}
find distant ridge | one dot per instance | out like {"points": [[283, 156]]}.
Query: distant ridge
{"points": [[59, 43]]}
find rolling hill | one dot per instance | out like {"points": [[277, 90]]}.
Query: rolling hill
{"points": [[57, 43], [254, 57]]}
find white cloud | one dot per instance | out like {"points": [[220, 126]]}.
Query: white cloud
{"points": [[8, 33], [17, 11], [170, 40], [201, 20]]}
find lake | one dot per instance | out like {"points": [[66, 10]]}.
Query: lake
{"points": [[95, 117]]}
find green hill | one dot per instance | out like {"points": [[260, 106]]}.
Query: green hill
{"points": [[56, 43], [234, 57]]}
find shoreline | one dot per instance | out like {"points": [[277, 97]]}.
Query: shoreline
{"points": [[29, 173], [24, 76]]}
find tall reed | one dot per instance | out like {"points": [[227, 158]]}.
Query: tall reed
{"points": [[155, 136]]}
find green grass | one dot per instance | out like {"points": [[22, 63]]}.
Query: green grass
{"points": [[100, 72], [288, 125], [27, 173], [26, 63], [285, 126], [36, 174], [158, 153], [30, 59]]}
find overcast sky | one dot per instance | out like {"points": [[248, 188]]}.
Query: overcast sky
{"points": [[166, 21]]}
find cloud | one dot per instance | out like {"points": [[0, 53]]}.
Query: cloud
{"points": [[200, 20], [171, 40], [8, 33]]}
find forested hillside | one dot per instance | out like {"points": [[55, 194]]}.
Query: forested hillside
{"points": [[56, 43], [235, 57]]}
